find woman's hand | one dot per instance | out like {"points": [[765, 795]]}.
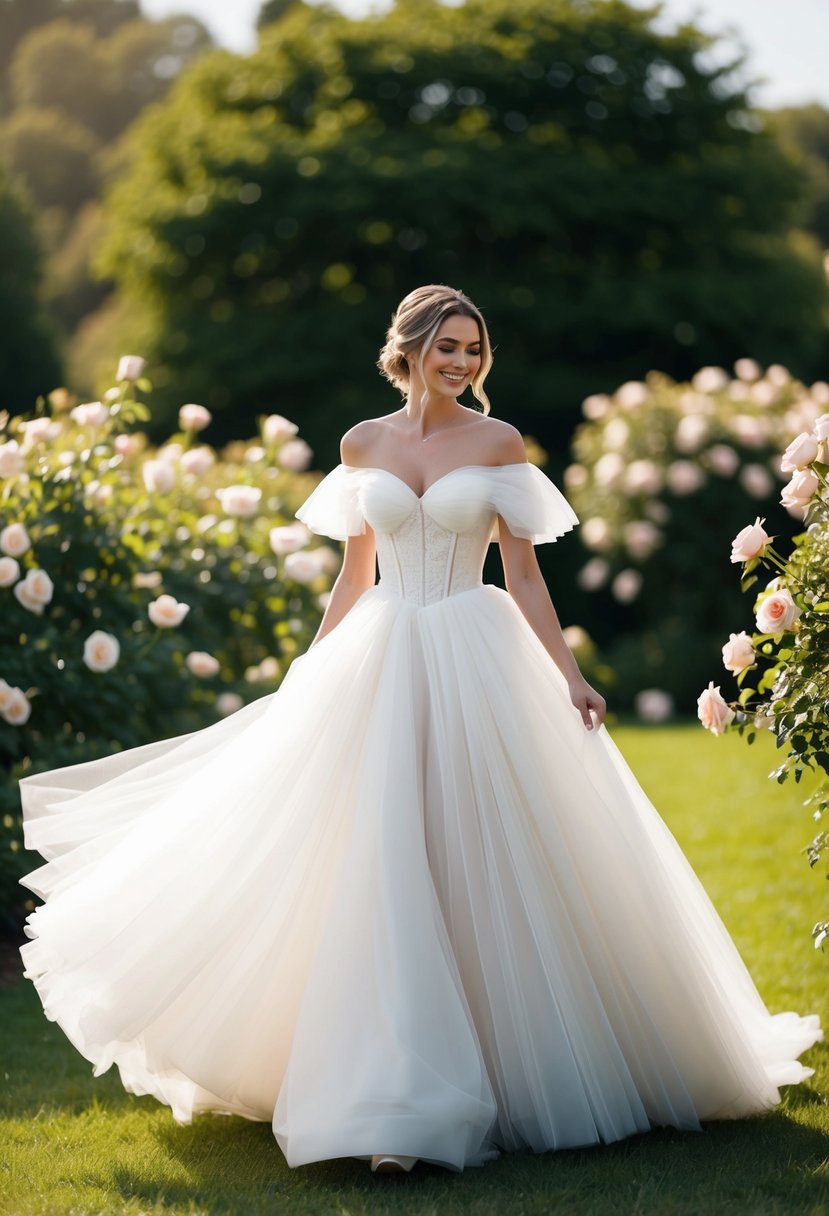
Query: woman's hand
{"points": [[586, 698]]}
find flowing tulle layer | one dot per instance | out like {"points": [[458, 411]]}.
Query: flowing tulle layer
{"points": [[406, 904]]}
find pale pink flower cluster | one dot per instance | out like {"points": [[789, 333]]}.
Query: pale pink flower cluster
{"points": [[805, 449], [15, 706]]}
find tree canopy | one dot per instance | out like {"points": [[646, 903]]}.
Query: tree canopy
{"points": [[596, 185]]}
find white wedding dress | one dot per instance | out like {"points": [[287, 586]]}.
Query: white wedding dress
{"points": [[407, 903]]}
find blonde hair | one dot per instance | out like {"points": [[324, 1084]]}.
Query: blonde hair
{"points": [[416, 323]]}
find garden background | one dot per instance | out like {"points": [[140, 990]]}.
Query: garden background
{"points": [[649, 247]]}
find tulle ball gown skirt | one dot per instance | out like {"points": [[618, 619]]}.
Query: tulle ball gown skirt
{"points": [[406, 904]]}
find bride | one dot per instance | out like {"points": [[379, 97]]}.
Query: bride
{"points": [[414, 904]]}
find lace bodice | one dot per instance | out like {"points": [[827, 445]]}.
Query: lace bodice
{"points": [[433, 545]]}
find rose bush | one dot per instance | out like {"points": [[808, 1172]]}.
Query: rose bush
{"points": [[143, 592], [786, 659], [661, 473]]}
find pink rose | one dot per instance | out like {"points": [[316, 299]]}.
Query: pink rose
{"points": [[198, 460], [295, 455], [93, 413], [684, 477], [303, 566], [777, 612], [130, 367], [800, 452], [101, 651], [710, 380], [15, 706], [159, 476], [166, 612], [713, 710], [737, 653], [239, 500], [127, 445], [288, 538], [821, 428], [228, 703], [800, 490], [34, 591], [11, 459], [201, 664], [194, 417], [654, 705], [14, 540], [750, 542], [748, 369], [276, 428], [9, 571]]}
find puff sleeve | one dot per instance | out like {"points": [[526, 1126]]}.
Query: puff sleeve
{"points": [[332, 508], [531, 505]]}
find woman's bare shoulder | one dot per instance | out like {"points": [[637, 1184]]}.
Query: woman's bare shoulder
{"points": [[360, 439], [502, 443]]}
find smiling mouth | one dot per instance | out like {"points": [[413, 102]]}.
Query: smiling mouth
{"points": [[453, 379]]}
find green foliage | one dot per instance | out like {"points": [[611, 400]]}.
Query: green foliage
{"points": [[609, 202], [53, 156], [28, 353], [804, 130], [111, 526]]}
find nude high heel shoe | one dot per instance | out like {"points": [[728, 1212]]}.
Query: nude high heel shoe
{"points": [[387, 1163]]}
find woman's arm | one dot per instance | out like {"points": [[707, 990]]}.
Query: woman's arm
{"points": [[356, 575]]}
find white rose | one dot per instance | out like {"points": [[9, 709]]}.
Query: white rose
{"points": [[750, 541], [764, 393], [170, 453], [147, 579], [626, 585], [710, 380], [101, 651], [691, 433], [800, 491], [737, 653], [576, 637], [642, 477], [631, 394], [595, 406], [778, 375], [17, 708], [14, 540], [9, 571], [239, 500], [777, 612], [255, 453], [750, 430], [276, 428], [93, 413], [159, 476], [748, 369], [34, 591], [288, 538], [295, 455], [575, 476], [684, 477], [130, 367], [127, 445], [197, 461], [194, 417], [593, 574], [756, 480], [801, 452], [595, 533], [5, 695], [609, 468], [166, 612], [821, 428], [202, 664], [11, 459], [722, 460], [712, 709], [38, 430], [616, 434], [303, 566], [228, 703], [641, 538], [654, 705]]}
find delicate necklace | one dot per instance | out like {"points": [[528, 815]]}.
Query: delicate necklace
{"points": [[451, 427]]}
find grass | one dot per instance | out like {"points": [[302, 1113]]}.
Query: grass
{"points": [[72, 1144]]}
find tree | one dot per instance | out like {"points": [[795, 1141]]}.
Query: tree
{"points": [[805, 132], [612, 205], [28, 353], [52, 155], [273, 11]]}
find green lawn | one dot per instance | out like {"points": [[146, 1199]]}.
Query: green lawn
{"points": [[73, 1144]]}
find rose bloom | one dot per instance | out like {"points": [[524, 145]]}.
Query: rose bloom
{"points": [[750, 541], [39, 429], [712, 710], [710, 380], [127, 445], [159, 476], [16, 707], [197, 461], [150, 578], [777, 612], [303, 566], [101, 651], [684, 477], [575, 476], [595, 533], [737, 653], [593, 574], [11, 459], [654, 705], [642, 477], [201, 664], [275, 428], [228, 703], [821, 428], [616, 434], [14, 540], [295, 455], [242, 501], [691, 433], [166, 612], [641, 538], [93, 413], [9, 571], [609, 469], [34, 591], [5, 694], [748, 369], [288, 538], [595, 406], [750, 430], [801, 451], [130, 367], [722, 459], [800, 491], [626, 585], [194, 417], [756, 480], [631, 394]]}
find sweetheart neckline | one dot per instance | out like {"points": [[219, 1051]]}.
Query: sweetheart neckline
{"points": [[367, 468]]}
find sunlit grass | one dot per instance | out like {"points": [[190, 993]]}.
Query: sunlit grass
{"points": [[71, 1144]]}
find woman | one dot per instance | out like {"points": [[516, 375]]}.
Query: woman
{"points": [[414, 905]]}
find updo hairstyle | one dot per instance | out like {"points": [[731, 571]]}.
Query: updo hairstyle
{"points": [[415, 324]]}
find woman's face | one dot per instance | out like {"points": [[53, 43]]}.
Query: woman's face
{"points": [[453, 358]]}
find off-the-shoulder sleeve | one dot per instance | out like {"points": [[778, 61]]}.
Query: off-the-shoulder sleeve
{"points": [[532, 506], [332, 508]]}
